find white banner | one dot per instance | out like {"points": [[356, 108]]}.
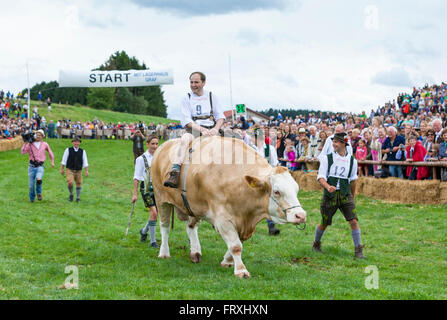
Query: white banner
{"points": [[128, 78]]}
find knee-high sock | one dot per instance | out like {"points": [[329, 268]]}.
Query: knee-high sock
{"points": [[318, 234], [71, 190], [78, 192], [152, 227], [356, 237], [146, 227]]}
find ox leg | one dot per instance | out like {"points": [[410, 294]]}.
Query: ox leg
{"points": [[165, 221], [192, 230], [229, 234], [227, 260]]}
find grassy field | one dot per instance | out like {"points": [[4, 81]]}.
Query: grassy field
{"points": [[406, 243], [83, 113]]}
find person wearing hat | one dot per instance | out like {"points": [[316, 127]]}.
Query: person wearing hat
{"points": [[338, 175], [328, 147], [75, 159], [37, 155]]}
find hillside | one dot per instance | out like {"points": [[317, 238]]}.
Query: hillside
{"points": [[84, 113]]}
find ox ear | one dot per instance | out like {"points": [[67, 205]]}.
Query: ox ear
{"points": [[255, 183], [280, 169]]}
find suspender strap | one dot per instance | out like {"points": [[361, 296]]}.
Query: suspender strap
{"points": [[350, 166]]}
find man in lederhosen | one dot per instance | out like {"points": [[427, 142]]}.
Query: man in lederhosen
{"points": [[75, 159], [201, 116], [338, 175]]}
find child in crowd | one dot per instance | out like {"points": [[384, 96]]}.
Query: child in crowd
{"points": [[290, 155], [415, 152], [360, 154], [432, 153]]}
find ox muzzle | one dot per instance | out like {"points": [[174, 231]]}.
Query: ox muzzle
{"points": [[294, 214]]}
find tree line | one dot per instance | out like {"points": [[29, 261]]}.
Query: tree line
{"points": [[139, 100]]}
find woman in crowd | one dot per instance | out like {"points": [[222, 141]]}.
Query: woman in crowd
{"points": [[322, 140], [367, 136], [429, 139], [377, 124], [280, 146]]}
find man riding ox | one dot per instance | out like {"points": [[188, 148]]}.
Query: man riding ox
{"points": [[227, 183]]}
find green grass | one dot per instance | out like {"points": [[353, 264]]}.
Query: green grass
{"points": [[407, 244], [83, 113]]}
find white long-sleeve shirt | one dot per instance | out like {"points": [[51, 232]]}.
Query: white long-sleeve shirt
{"points": [[84, 157], [339, 169], [273, 157], [140, 168], [194, 105]]}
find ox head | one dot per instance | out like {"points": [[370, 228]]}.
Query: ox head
{"points": [[282, 191]]}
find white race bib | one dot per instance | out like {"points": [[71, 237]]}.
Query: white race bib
{"points": [[340, 166]]}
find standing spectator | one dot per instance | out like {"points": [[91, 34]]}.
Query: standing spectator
{"points": [[416, 153], [37, 156], [428, 141], [360, 154], [280, 147], [390, 147], [376, 147], [75, 159], [289, 155], [137, 137], [437, 127]]}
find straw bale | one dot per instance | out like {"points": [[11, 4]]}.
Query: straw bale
{"points": [[443, 192], [392, 190], [11, 144]]}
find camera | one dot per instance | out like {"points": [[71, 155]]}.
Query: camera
{"points": [[28, 137], [402, 146]]}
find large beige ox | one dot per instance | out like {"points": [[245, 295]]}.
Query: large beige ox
{"points": [[229, 185]]}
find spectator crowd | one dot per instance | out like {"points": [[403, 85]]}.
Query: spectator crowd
{"points": [[411, 128]]}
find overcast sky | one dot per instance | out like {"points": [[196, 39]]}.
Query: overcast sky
{"points": [[348, 55]]}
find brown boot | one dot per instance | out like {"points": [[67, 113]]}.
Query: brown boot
{"points": [[174, 177], [358, 253], [317, 246]]}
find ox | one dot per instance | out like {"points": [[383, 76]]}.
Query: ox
{"points": [[229, 185]]}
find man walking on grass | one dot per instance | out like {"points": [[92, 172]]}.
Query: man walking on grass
{"points": [[75, 159], [338, 175]]}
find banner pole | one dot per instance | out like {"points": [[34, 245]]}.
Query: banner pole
{"points": [[29, 97]]}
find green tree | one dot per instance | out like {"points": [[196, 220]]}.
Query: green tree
{"points": [[153, 95], [100, 98]]}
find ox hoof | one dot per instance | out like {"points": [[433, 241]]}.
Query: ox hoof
{"points": [[164, 256], [227, 264], [243, 274], [195, 257]]}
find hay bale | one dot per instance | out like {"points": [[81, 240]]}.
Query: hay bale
{"points": [[11, 144], [443, 192], [306, 181], [392, 190]]}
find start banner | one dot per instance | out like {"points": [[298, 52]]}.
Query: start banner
{"points": [[116, 78]]}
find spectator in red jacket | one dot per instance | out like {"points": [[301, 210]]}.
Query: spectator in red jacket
{"points": [[416, 153]]}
